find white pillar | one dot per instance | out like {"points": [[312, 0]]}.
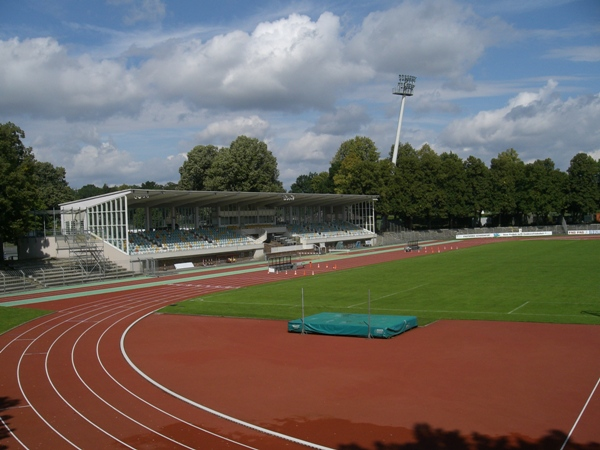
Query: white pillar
{"points": [[395, 155]]}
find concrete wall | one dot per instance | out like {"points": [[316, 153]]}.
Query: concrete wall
{"points": [[38, 248]]}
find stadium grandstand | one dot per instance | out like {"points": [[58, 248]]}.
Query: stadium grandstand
{"points": [[145, 230]]}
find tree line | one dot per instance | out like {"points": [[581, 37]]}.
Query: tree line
{"points": [[430, 190], [424, 189]]}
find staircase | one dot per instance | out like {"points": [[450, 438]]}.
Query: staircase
{"points": [[88, 253], [86, 263]]}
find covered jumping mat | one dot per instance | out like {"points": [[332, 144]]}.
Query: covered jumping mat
{"points": [[353, 325]]}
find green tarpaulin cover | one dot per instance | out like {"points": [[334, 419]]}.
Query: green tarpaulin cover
{"points": [[353, 324]]}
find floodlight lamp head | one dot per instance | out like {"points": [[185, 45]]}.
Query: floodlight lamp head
{"points": [[406, 84]]}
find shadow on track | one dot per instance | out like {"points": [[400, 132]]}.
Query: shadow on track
{"points": [[428, 438], [5, 403]]}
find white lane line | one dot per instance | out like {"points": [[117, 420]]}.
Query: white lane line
{"points": [[21, 388], [389, 295], [206, 408], [580, 414], [518, 307], [45, 320], [147, 402], [77, 311], [10, 431], [136, 308], [79, 413]]}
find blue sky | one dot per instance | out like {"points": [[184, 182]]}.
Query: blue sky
{"points": [[118, 91]]}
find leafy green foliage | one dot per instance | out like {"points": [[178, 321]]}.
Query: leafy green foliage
{"points": [[584, 185], [535, 281], [18, 185], [245, 166], [507, 172], [53, 188], [544, 190], [353, 168], [194, 171]]}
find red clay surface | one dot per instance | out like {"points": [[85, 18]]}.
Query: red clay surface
{"points": [[64, 382], [492, 378]]}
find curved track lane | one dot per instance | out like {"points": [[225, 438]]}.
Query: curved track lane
{"points": [[76, 390], [66, 383]]}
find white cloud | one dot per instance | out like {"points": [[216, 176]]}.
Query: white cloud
{"points": [[585, 53], [310, 152], [128, 104], [537, 125], [316, 149], [103, 161], [225, 131], [290, 64], [106, 163], [141, 10], [344, 120], [425, 37], [38, 78]]}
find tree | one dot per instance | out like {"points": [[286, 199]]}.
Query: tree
{"points": [[544, 190], [18, 185], [507, 175], [407, 178], [150, 185], [91, 190], [321, 183], [53, 188], [453, 188], [388, 192], [357, 177], [246, 166], [360, 146], [353, 168], [429, 194], [303, 184], [194, 171], [478, 188], [584, 189], [171, 186]]}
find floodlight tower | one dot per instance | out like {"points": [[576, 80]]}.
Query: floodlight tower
{"points": [[405, 87]]}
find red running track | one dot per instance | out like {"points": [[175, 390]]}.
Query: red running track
{"points": [[66, 384]]}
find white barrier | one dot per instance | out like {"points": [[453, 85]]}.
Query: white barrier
{"points": [[504, 235], [571, 232]]}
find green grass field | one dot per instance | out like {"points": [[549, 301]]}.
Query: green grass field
{"points": [[552, 281], [13, 317]]}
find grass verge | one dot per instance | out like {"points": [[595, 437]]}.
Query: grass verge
{"points": [[13, 317], [551, 281]]}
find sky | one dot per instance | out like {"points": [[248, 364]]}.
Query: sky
{"points": [[118, 91]]}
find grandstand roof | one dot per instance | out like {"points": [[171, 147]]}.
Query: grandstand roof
{"points": [[153, 198]]}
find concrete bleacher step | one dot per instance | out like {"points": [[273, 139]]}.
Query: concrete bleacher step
{"points": [[9, 284], [62, 272]]}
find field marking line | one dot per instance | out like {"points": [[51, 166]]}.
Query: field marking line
{"points": [[389, 295], [580, 414], [518, 307], [204, 407], [10, 432], [136, 310]]}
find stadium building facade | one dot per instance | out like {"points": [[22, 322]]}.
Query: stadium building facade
{"points": [[141, 228]]}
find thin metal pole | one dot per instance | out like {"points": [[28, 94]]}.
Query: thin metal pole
{"points": [[397, 143], [369, 324], [302, 311]]}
